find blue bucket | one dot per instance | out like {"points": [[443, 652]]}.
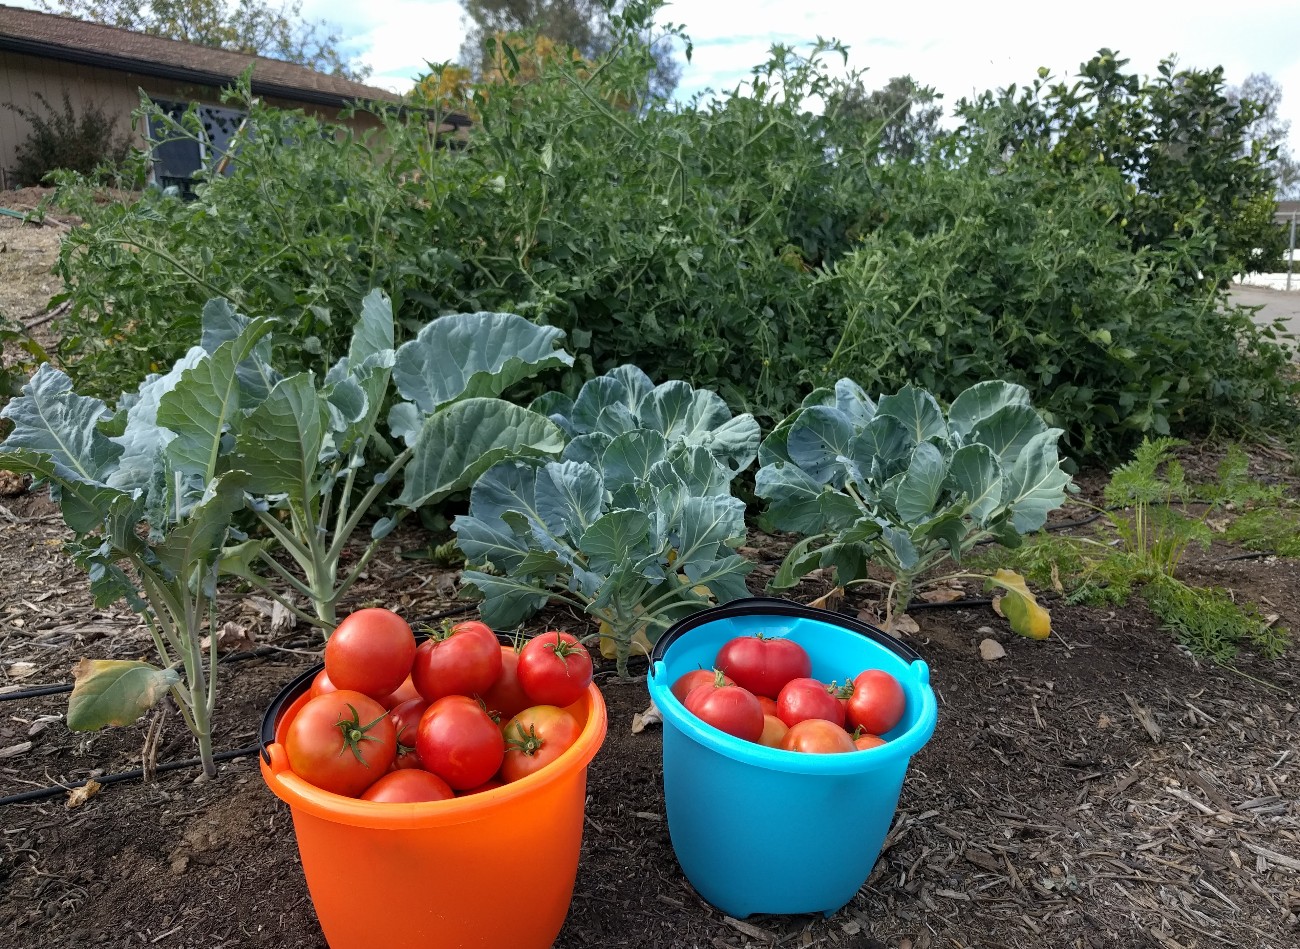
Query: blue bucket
{"points": [[760, 830]]}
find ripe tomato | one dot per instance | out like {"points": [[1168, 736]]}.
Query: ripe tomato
{"points": [[763, 665], [322, 684], [370, 652], [408, 787], [769, 705], [554, 668], [490, 784], [727, 707], [342, 742], [802, 699], [685, 683], [464, 659], [536, 737], [407, 757], [877, 703], [817, 736], [458, 741], [506, 698], [773, 731], [406, 720], [403, 693], [864, 741]]}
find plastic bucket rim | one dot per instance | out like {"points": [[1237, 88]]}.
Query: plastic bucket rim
{"points": [[298, 793]]}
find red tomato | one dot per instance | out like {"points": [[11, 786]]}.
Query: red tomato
{"points": [[408, 787], [488, 785], [342, 742], [554, 668], [817, 736], [464, 659], [727, 707], [370, 652], [506, 698], [802, 699], [407, 757], [536, 737], [458, 741], [877, 703], [769, 705], [406, 720], [864, 741], [684, 684], [773, 731], [763, 665], [322, 684], [403, 693]]}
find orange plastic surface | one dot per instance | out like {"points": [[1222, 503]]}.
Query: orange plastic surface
{"points": [[462, 858]]}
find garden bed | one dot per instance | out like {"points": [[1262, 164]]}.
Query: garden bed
{"points": [[1100, 788]]}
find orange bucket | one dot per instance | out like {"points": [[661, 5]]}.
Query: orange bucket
{"points": [[461, 860]]}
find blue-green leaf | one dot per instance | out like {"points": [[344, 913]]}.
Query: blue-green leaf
{"points": [[982, 401], [794, 499], [279, 442], [617, 538], [630, 456], [1007, 431], [976, 474], [491, 542], [919, 491], [507, 602], [818, 440], [918, 412], [569, 496], [52, 420], [1036, 484]]}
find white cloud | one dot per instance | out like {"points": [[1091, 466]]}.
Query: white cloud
{"points": [[396, 38]]}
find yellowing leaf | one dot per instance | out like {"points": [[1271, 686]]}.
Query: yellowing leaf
{"points": [[115, 692], [1019, 606]]}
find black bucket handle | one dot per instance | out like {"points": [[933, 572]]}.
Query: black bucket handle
{"points": [[288, 695], [775, 606]]}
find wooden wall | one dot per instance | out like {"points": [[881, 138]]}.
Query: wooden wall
{"points": [[117, 93]]}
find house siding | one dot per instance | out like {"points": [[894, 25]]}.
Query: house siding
{"points": [[23, 76]]}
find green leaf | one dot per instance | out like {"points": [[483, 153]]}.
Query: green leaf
{"points": [[1036, 484], [794, 499], [237, 560], [373, 333], [222, 324], [405, 422], [590, 448], [473, 355], [982, 401], [279, 442], [799, 561], [507, 602], [817, 441], [1007, 431], [115, 692], [52, 420], [695, 470], [630, 456], [569, 496], [459, 443], [705, 525], [618, 537], [975, 473], [483, 541], [199, 539], [917, 411], [606, 405], [853, 401], [881, 449], [922, 484], [143, 439], [205, 402]]}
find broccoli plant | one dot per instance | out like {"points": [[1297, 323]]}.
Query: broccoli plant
{"points": [[638, 535], [626, 400], [899, 484]]}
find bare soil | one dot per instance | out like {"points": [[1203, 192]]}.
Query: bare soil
{"points": [[1100, 788]]}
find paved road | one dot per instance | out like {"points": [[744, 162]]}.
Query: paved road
{"points": [[1276, 303]]}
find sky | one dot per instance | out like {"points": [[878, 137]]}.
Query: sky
{"points": [[959, 48]]}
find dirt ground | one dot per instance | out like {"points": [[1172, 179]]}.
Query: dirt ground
{"points": [[1098, 789]]}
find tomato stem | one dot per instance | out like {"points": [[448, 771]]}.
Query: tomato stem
{"points": [[354, 733]]}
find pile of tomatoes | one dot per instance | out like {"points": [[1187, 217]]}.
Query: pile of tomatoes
{"points": [[761, 689], [392, 721]]}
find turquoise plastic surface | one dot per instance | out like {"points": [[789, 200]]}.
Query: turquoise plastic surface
{"points": [[760, 830]]}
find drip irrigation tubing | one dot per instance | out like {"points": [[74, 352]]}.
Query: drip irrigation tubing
{"points": [[42, 793]]}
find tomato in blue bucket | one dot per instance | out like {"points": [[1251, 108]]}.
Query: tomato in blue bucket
{"points": [[829, 813]]}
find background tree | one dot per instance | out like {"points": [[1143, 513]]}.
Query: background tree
{"points": [[902, 116], [1270, 130], [255, 27], [585, 25]]}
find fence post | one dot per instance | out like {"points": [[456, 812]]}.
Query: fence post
{"points": [[1290, 257]]}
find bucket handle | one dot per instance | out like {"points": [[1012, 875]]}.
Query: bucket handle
{"points": [[770, 605], [287, 696]]}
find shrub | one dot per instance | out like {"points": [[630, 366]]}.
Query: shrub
{"points": [[86, 143]]}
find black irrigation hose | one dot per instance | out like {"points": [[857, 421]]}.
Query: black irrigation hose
{"points": [[41, 793]]}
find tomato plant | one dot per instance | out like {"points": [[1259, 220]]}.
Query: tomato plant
{"points": [[762, 664], [696, 677], [464, 659], [817, 736], [535, 738], [506, 697], [554, 668], [341, 741], [370, 652], [458, 741], [802, 699], [877, 703], [729, 708], [408, 786]]}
